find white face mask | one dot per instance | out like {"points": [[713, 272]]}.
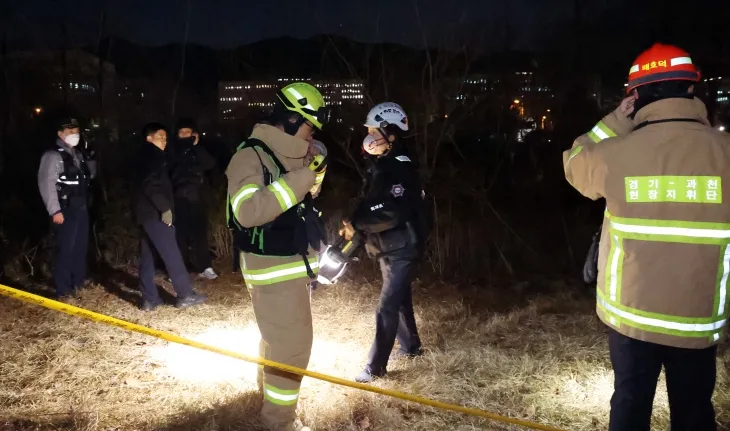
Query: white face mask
{"points": [[72, 140], [373, 146]]}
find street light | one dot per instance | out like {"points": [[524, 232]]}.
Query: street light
{"points": [[38, 110], [517, 101]]}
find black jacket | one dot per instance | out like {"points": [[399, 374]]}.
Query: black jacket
{"points": [[152, 189], [393, 213], [189, 169]]}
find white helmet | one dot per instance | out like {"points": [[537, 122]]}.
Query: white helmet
{"points": [[387, 113]]}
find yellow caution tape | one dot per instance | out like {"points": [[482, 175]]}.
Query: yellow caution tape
{"points": [[76, 311]]}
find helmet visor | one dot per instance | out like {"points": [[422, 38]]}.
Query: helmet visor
{"points": [[323, 115]]}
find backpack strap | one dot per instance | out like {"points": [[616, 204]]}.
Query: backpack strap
{"points": [[253, 142]]}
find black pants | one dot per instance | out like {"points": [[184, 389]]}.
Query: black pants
{"points": [[394, 318], [191, 222], [162, 237], [72, 241], [690, 376]]}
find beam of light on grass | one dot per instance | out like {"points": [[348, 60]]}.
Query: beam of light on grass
{"points": [[193, 365], [592, 393]]}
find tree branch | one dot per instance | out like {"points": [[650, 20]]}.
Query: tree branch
{"points": [[182, 63]]}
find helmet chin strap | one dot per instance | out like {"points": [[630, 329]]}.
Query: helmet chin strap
{"points": [[292, 128], [386, 139]]}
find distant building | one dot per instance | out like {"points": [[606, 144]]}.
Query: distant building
{"points": [[534, 97], [238, 97], [718, 90], [42, 79]]}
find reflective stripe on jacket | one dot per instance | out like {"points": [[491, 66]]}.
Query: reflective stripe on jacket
{"points": [[664, 257], [255, 204]]}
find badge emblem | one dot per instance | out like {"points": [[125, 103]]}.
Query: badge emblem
{"points": [[397, 190]]}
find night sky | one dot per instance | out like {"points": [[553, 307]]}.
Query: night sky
{"points": [[226, 23]]}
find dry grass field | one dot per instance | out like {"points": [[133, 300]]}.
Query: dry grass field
{"points": [[506, 349]]}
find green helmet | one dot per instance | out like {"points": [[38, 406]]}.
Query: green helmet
{"points": [[307, 101]]}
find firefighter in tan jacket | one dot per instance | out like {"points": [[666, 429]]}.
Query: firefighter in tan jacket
{"points": [[269, 183], [664, 256]]}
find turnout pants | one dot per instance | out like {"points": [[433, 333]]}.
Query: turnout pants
{"points": [[280, 297], [162, 237], [394, 317], [690, 376], [191, 223], [72, 240]]}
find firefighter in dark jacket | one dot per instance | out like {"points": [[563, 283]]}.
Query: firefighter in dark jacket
{"points": [[64, 181], [190, 168], [392, 216], [154, 210]]}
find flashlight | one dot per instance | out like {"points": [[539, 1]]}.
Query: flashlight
{"points": [[317, 163], [335, 258]]}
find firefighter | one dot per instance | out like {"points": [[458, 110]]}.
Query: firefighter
{"points": [[392, 216], [64, 181], [269, 183], [665, 245]]}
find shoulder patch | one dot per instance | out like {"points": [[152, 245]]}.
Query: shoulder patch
{"points": [[397, 190], [403, 159]]}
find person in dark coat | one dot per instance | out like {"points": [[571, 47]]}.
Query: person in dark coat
{"points": [[190, 170], [392, 216], [154, 212]]}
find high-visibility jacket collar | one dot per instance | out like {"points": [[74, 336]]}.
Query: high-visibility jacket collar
{"points": [[673, 108], [287, 145]]}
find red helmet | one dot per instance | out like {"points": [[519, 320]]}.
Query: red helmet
{"points": [[662, 63]]}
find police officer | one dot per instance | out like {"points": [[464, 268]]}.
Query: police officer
{"points": [[64, 180], [392, 216]]}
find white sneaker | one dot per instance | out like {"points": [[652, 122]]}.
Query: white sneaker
{"points": [[209, 274]]}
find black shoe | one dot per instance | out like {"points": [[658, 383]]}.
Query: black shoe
{"points": [[405, 355], [68, 296], [150, 306], [189, 301], [83, 286], [367, 375]]}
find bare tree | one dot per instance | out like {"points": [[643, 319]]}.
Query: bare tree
{"points": [[182, 62], [102, 137]]}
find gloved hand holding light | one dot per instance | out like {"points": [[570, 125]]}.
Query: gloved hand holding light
{"points": [[335, 258]]}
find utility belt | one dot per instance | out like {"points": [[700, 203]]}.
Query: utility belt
{"points": [[402, 240], [290, 234]]}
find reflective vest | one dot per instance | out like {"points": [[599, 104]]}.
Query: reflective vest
{"points": [[74, 181]]}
